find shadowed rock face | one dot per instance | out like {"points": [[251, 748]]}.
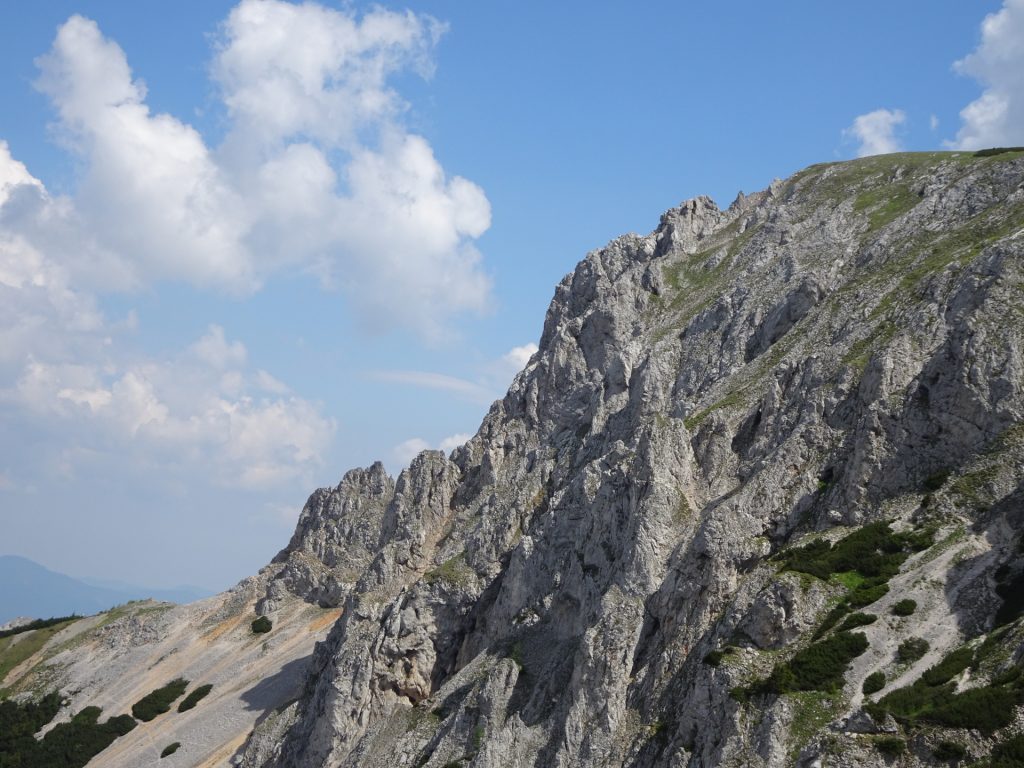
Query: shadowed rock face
{"points": [[841, 348]]}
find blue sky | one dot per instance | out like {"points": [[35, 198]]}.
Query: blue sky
{"points": [[247, 246]]}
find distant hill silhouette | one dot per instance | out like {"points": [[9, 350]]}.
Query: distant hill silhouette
{"points": [[29, 589]]}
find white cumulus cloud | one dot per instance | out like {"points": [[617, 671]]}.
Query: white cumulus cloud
{"points": [[317, 172], [996, 118], [875, 132]]}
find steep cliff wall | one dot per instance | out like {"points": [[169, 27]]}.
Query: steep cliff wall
{"points": [[605, 574]]}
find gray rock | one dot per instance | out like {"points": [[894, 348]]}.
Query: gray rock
{"points": [[705, 395]]}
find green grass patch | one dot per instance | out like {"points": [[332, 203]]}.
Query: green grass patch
{"points": [[693, 421], [14, 652], [885, 203], [453, 571], [194, 697], [811, 713], [849, 579], [970, 486], [159, 701], [39, 624]]}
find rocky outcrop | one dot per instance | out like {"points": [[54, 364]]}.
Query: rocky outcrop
{"points": [[337, 534], [844, 347]]}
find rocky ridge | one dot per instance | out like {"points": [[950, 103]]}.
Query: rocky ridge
{"points": [[840, 349], [632, 561]]}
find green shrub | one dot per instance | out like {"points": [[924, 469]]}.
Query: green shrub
{"points": [[262, 625], [830, 620], [159, 701], [986, 709], [997, 151], [818, 667], [912, 649], [873, 683], [858, 619], [170, 749], [740, 693], [890, 745], [1009, 754], [66, 745], [1012, 594], [713, 658], [873, 550], [904, 607], [194, 697], [19, 721], [949, 750], [935, 481], [951, 666]]}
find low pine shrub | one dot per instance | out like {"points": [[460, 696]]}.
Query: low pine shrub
{"points": [[873, 550], [912, 649], [1009, 754], [904, 608], [262, 625], [951, 666], [997, 151], [867, 593], [713, 658], [159, 701], [949, 750], [986, 709], [818, 667], [194, 697], [858, 619], [170, 749], [890, 745], [873, 683]]}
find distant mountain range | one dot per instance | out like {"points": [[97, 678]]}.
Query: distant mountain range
{"points": [[29, 589]]}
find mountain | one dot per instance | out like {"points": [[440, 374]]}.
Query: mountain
{"points": [[758, 500], [32, 590]]}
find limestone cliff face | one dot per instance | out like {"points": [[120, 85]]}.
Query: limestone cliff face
{"points": [[841, 348]]}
